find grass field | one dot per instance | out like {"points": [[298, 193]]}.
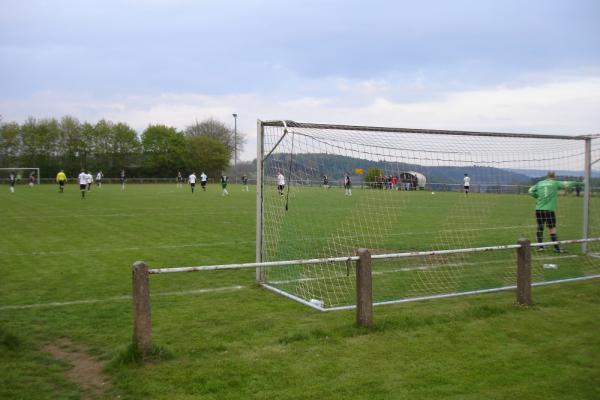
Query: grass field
{"points": [[323, 224], [65, 268]]}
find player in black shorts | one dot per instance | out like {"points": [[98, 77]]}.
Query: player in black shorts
{"points": [[12, 179], [546, 193], [122, 178], [179, 180]]}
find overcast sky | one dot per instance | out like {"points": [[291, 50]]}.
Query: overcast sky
{"points": [[502, 65]]}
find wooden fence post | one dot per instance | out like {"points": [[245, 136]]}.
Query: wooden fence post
{"points": [[524, 273], [142, 325], [364, 289]]}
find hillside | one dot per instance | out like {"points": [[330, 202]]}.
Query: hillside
{"points": [[335, 166]]}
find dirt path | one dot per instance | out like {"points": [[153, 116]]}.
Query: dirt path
{"points": [[87, 372]]}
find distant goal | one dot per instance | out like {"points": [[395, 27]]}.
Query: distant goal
{"points": [[21, 173], [409, 194]]}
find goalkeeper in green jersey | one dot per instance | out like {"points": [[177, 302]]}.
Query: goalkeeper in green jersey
{"points": [[545, 192]]}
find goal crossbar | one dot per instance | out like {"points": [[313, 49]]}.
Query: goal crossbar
{"points": [[294, 124]]}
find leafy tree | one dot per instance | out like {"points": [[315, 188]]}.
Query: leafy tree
{"points": [[206, 154], [10, 144], [372, 176], [219, 131], [115, 146], [164, 150], [41, 143], [73, 146]]}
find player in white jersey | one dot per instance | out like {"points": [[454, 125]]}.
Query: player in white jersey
{"points": [[203, 179], [466, 183], [123, 178], [179, 180], [99, 179], [280, 183], [82, 178], [347, 185], [12, 179], [90, 180], [192, 180]]}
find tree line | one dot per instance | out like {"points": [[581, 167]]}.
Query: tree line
{"points": [[160, 151]]}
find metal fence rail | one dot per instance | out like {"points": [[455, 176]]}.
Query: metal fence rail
{"points": [[142, 326], [312, 261]]}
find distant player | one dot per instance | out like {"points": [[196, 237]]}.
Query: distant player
{"points": [[192, 180], [203, 179], [280, 183], [90, 180], [61, 179], [32, 179], [122, 178], [578, 187], [82, 178], [224, 180], [99, 176], [325, 182], [245, 183], [466, 183], [12, 179], [179, 180], [545, 192], [348, 185]]}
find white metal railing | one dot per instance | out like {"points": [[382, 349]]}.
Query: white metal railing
{"points": [[267, 264], [142, 326]]}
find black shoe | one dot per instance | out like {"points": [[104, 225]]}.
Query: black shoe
{"points": [[560, 251]]}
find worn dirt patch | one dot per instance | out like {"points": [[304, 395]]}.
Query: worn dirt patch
{"points": [[87, 371]]}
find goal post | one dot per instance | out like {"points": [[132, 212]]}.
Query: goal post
{"points": [[259, 199], [22, 173], [400, 190]]}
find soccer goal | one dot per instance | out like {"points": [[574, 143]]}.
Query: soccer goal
{"points": [[396, 190], [22, 174]]}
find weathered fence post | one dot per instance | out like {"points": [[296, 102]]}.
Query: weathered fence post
{"points": [[364, 289], [524, 272], [142, 325]]}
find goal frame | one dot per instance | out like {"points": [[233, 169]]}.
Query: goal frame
{"points": [[287, 126], [21, 168]]}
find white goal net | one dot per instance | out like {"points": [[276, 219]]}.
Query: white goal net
{"points": [[417, 190], [22, 175]]}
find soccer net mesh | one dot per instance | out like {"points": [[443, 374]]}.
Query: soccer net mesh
{"points": [[22, 174], [408, 194]]}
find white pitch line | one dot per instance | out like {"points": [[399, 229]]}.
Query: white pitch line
{"points": [[128, 215], [116, 298], [415, 268], [227, 243], [102, 250]]}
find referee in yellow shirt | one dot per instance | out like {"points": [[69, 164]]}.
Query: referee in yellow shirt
{"points": [[61, 178]]}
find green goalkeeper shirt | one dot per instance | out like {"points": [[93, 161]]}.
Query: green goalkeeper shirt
{"points": [[546, 191]]}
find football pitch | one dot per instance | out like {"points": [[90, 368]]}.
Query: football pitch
{"points": [[65, 267]]}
